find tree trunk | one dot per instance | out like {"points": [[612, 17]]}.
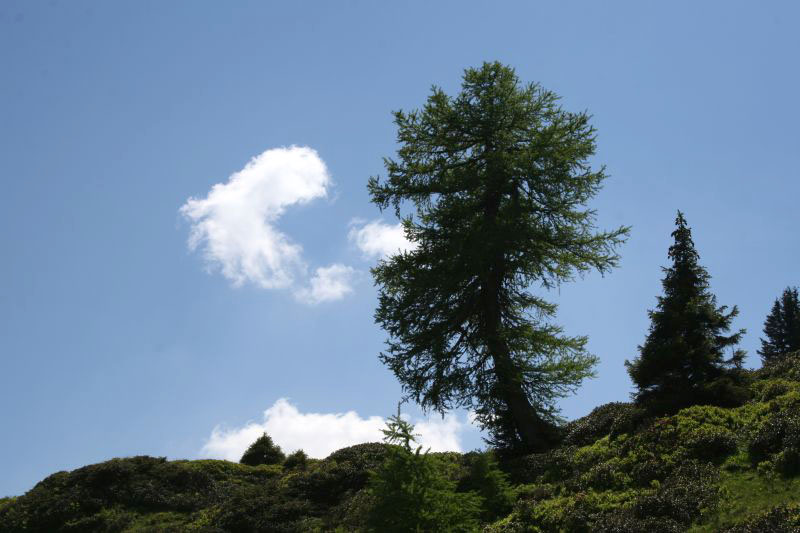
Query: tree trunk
{"points": [[535, 433]]}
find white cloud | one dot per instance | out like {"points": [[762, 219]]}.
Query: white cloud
{"points": [[378, 239], [328, 284], [319, 434], [235, 223]]}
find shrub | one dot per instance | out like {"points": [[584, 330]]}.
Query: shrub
{"points": [[296, 461], [263, 452], [261, 508], [787, 367], [688, 491], [778, 438], [412, 491], [710, 443], [367, 456], [604, 476], [766, 390], [644, 472], [781, 519], [338, 476], [628, 523], [555, 465], [485, 478], [615, 417]]}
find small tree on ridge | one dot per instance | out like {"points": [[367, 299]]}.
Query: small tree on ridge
{"points": [[782, 327], [682, 360]]}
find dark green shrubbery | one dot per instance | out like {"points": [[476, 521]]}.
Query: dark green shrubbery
{"points": [[781, 519], [263, 452], [689, 490], [778, 438], [108, 496], [485, 479], [555, 465], [339, 476], [609, 419], [263, 508], [660, 475], [297, 460], [629, 523], [710, 443], [786, 367], [413, 491]]}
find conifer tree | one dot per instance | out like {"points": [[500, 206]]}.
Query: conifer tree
{"points": [[413, 490], [263, 452], [782, 327], [499, 176], [682, 361]]}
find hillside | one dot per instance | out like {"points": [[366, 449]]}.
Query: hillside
{"points": [[704, 469]]}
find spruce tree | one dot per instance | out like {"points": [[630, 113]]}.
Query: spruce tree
{"points": [[682, 361], [782, 327], [263, 452], [414, 491], [498, 177]]}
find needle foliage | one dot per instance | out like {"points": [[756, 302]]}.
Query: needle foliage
{"points": [[496, 179]]}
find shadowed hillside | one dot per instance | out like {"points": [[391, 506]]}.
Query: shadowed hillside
{"points": [[704, 469]]}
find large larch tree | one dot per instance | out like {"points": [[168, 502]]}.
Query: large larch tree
{"points": [[498, 178]]}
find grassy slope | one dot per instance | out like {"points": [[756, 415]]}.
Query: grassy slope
{"points": [[704, 469]]}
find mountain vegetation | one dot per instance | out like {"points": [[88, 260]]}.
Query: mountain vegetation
{"points": [[498, 178], [619, 469], [782, 327]]}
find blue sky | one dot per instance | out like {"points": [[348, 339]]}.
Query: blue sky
{"points": [[116, 339]]}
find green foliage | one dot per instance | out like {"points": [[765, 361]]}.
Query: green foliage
{"points": [[786, 367], [782, 519], [263, 452], [412, 491], [296, 460], [752, 500], [782, 327], [262, 508], [485, 479], [704, 469], [497, 178], [682, 361], [338, 477], [109, 495], [609, 419]]}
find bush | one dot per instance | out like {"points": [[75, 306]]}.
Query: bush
{"points": [[262, 508], [787, 367], [485, 479], [263, 452], [628, 523], [612, 418], [296, 461], [778, 438], [604, 476], [555, 465], [710, 443], [412, 491], [781, 519], [363, 457], [103, 496], [770, 389], [688, 491], [340, 475]]}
